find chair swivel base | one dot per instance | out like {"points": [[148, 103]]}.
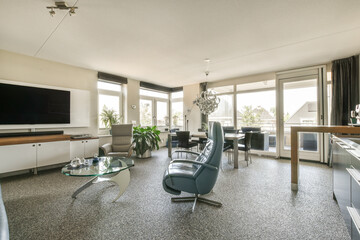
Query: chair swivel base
{"points": [[196, 199]]}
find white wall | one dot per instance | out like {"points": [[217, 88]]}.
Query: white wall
{"points": [[21, 68], [191, 111], [132, 97]]}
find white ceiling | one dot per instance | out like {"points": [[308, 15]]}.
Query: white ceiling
{"points": [[166, 41]]}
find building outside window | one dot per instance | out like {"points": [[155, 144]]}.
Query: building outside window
{"points": [[109, 99], [252, 105], [256, 107]]}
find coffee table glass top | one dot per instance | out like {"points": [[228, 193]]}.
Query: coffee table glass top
{"points": [[102, 166]]}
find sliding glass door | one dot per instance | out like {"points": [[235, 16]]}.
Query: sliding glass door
{"points": [[300, 104]]}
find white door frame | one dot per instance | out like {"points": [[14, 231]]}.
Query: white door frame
{"points": [[319, 73]]}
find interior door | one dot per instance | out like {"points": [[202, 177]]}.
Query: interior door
{"points": [[300, 104]]}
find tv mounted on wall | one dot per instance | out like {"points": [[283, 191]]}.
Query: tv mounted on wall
{"points": [[33, 105]]}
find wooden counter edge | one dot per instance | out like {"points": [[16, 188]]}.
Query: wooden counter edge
{"points": [[82, 139], [33, 139]]}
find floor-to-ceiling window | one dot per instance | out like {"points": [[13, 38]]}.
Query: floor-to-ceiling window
{"points": [[109, 100], [225, 111], [256, 107]]}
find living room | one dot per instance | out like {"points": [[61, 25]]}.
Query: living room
{"points": [[269, 64]]}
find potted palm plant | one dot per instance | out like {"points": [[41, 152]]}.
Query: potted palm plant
{"points": [[109, 117], [145, 139]]}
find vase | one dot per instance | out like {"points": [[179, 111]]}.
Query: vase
{"points": [[146, 154]]}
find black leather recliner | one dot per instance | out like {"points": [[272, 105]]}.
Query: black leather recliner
{"points": [[196, 176]]}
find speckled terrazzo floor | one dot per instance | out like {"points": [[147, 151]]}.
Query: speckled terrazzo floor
{"points": [[257, 204]]}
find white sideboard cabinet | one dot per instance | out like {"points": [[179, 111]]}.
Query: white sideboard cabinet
{"points": [[32, 155], [49, 153], [17, 157], [84, 148], [31, 152]]}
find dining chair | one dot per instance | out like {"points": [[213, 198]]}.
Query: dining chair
{"points": [[228, 144], [246, 147], [184, 140]]}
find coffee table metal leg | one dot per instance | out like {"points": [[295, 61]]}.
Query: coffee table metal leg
{"points": [[83, 187], [122, 179]]}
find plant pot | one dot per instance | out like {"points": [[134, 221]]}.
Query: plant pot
{"points": [[147, 154]]}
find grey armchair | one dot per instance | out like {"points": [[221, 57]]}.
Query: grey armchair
{"points": [[121, 145], [196, 176]]}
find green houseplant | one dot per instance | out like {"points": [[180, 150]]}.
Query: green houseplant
{"points": [[145, 139], [109, 117]]}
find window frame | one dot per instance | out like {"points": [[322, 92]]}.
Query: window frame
{"points": [[154, 107], [175, 100], [109, 93]]}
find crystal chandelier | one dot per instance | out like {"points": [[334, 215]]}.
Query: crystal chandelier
{"points": [[207, 101]]}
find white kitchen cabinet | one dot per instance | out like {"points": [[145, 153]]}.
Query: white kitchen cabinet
{"points": [[17, 157], [49, 153], [84, 148]]}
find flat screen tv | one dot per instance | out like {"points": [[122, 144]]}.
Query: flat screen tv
{"points": [[33, 105]]}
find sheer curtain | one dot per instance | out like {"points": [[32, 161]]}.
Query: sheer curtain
{"points": [[345, 89]]}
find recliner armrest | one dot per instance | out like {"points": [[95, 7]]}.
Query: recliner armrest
{"points": [[193, 162], [184, 151], [107, 148], [4, 226]]}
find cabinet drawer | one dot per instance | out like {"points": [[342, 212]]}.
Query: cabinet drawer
{"points": [[355, 223], [342, 180], [17, 157], [355, 188], [49, 153]]}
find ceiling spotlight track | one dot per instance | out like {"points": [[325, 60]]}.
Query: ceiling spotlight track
{"points": [[62, 6], [59, 23]]}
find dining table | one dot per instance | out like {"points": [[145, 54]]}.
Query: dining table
{"points": [[235, 137]]}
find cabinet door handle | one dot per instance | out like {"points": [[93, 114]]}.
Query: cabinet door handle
{"points": [[33, 145], [39, 144], [82, 141], [354, 174], [86, 141], [355, 218]]}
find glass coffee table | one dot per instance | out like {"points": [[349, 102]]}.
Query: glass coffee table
{"points": [[116, 168]]}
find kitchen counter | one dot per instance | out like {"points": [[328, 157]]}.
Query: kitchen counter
{"points": [[294, 145], [346, 180]]}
